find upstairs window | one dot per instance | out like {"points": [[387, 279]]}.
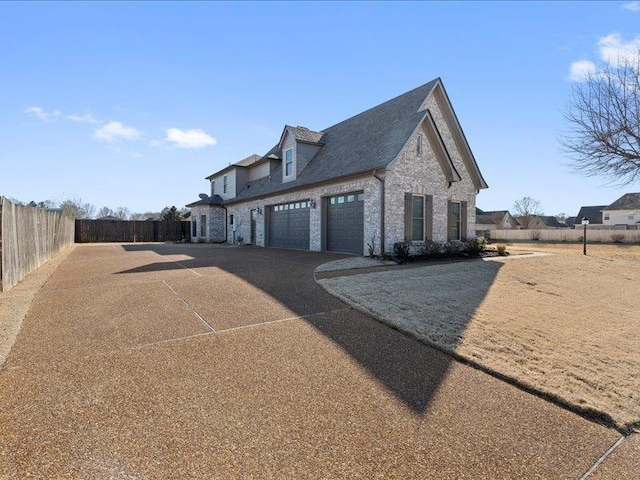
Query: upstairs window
{"points": [[288, 162], [419, 145], [224, 184], [606, 216]]}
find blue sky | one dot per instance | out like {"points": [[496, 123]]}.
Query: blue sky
{"points": [[133, 104]]}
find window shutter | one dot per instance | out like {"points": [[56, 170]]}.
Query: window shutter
{"points": [[429, 217], [449, 220], [463, 220], [408, 216]]}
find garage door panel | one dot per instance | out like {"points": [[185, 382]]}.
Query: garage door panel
{"points": [[289, 226], [345, 223]]}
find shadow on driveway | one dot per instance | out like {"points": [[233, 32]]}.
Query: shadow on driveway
{"points": [[406, 367]]}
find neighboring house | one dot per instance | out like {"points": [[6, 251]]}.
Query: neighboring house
{"points": [[625, 211], [497, 219], [572, 221], [593, 214], [401, 171], [542, 222]]}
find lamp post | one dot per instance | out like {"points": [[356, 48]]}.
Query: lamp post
{"points": [[585, 222]]}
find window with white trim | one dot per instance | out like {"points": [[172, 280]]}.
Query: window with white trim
{"points": [[606, 216], [224, 184], [288, 162], [419, 145]]}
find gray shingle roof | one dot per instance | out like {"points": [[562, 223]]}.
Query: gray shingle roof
{"points": [[362, 143], [550, 221], [629, 201], [593, 214], [303, 134], [213, 200], [483, 219], [491, 218]]}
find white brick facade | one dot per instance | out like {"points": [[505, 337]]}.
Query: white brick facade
{"points": [[423, 175], [214, 228], [242, 212], [409, 172]]}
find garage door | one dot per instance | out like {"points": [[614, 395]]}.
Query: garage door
{"points": [[289, 225], [345, 223]]}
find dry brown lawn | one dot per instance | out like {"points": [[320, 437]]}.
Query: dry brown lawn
{"points": [[565, 325]]}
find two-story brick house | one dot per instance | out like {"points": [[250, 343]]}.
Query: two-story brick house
{"points": [[400, 171]]}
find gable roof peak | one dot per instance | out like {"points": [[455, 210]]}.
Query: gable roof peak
{"points": [[301, 134]]}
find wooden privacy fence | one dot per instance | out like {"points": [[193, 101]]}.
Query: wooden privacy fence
{"points": [[567, 235], [93, 231], [29, 237]]}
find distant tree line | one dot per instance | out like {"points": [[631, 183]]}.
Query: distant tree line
{"points": [[78, 209]]}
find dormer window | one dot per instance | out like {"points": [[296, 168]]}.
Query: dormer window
{"points": [[419, 145], [288, 162]]}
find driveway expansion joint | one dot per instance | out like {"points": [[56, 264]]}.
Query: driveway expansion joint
{"points": [[190, 307], [604, 456], [287, 319]]}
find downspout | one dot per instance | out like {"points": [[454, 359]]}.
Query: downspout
{"points": [[382, 229]]}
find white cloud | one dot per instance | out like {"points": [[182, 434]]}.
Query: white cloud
{"points": [[581, 69], [113, 131], [195, 138], [633, 6], [41, 114], [615, 51], [86, 118]]}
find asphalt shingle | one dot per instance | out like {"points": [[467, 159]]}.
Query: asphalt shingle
{"points": [[362, 143]]}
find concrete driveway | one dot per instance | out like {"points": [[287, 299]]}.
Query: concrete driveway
{"points": [[177, 361]]}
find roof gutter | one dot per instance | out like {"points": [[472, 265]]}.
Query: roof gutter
{"points": [[382, 219]]}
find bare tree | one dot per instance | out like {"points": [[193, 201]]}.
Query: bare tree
{"points": [[604, 114], [105, 212], [76, 208], [122, 213], [526, 209]]}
